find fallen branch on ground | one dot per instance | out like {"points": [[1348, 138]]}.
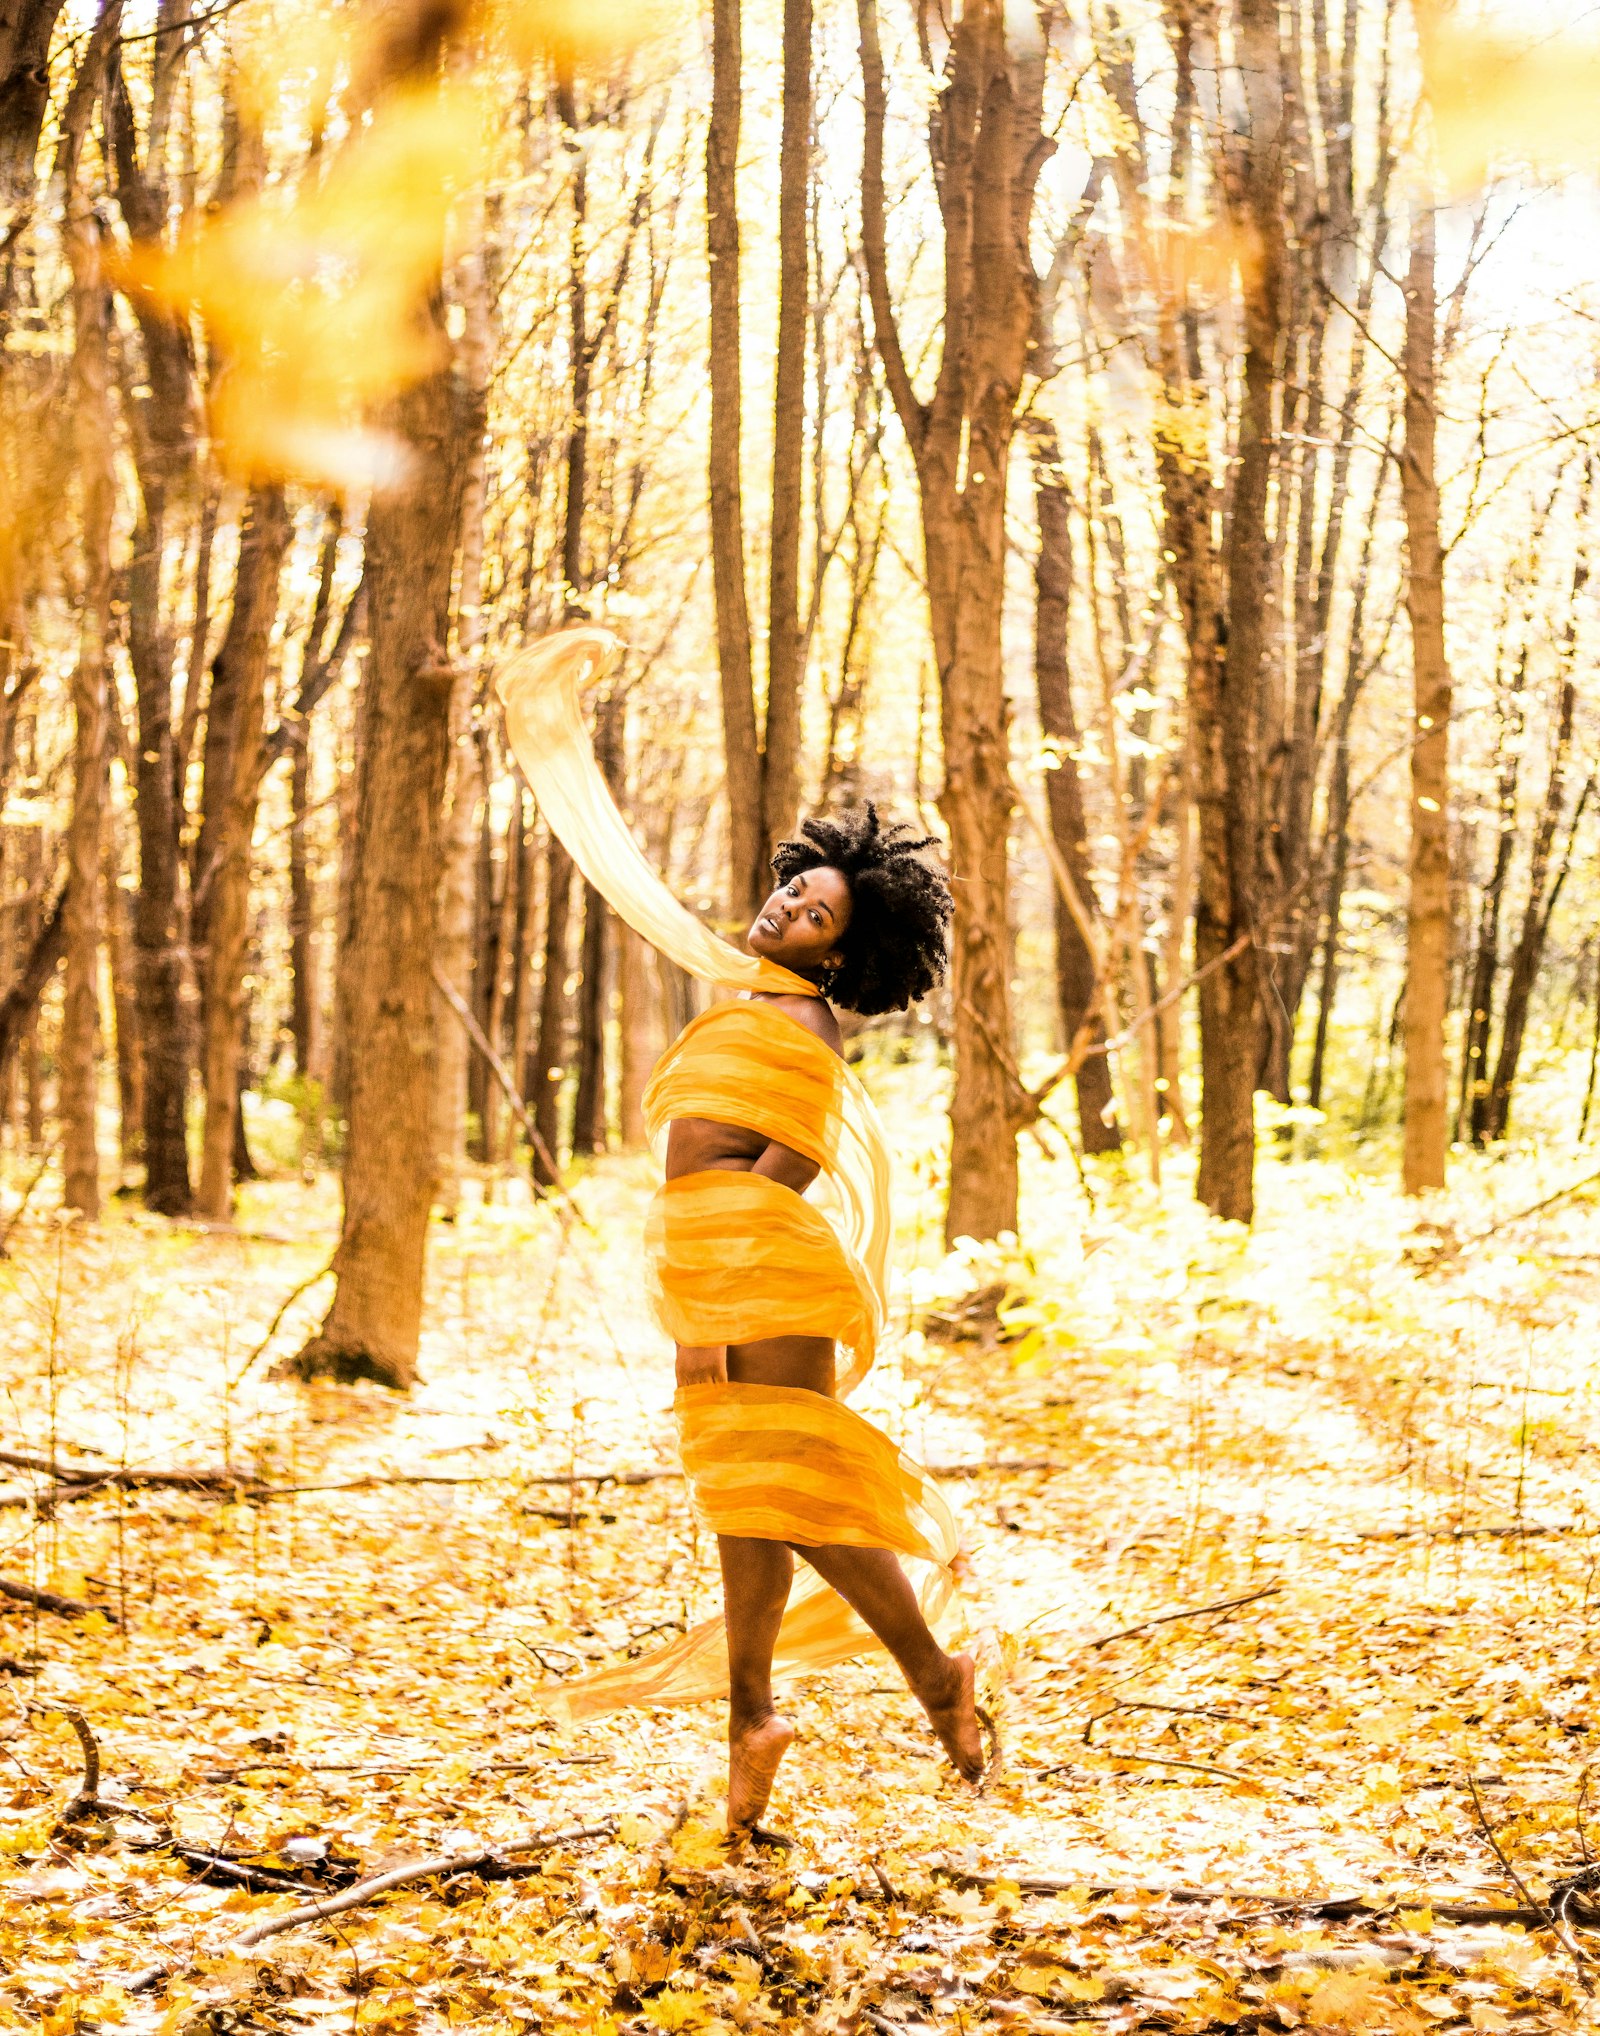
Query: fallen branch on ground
{"points": [[77, 1479], [1527, 1530], [49, 1601], [1332, 1908], [490, 1862]]}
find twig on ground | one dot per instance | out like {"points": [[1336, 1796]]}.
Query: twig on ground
{"points": [[1189, 1612], [1552, 1921], [35, 1178], [1166, 1760], [260, 1879], [487, 1861], [86, 1803], [284, 1306], [1177, 1711]]}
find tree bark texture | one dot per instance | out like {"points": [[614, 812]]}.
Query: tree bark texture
{"points": [[234, 761], [1226, 690], [1075, 963], [26, 27], [1427, 1109], [547, 1067], [91, 375], [780, 749], [302, 913], [162, 425], [1543, 889], [373, 1326], [988, 148], [20, 1004], [741, 747]]}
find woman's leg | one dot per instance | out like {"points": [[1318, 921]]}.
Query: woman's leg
{"points": [[755, 1588], [870, 1580], [872, 1583]]}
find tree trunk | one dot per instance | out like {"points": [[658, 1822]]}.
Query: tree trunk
{"points": [[302, 911], [642, 1033], [1427, 1112], [26, 28], [1075, 965], [589, 1103], [518, 998], [1226, 703], [456, 921], [76, 1053], [124, 1007], [374, 1323], [780, 752], [740, 746], [547, 1069], [988, 148], [234, 760], [162, 433], [19, 1007], [1529, 950]]}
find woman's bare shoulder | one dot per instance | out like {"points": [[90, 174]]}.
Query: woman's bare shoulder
{"points": [[813, 1013]]}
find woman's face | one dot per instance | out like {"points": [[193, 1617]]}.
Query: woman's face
{"points": [[803, 922]]}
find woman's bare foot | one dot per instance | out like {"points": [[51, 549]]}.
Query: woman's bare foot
{"points": [[954, 1716], [754, 1752]]}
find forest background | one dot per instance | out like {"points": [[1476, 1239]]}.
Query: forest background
{"points": [[1153, 446]]}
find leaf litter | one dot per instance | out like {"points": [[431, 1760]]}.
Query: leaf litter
{"points": [[1342, 1790]]}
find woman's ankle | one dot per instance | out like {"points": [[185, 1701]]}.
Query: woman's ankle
{"points": [[746, 1713]]}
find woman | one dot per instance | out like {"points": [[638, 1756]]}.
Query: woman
{"points": [[775, 1307]]}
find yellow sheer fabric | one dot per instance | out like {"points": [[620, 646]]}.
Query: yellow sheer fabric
{"points": [[753, 1065], [734, 1257]]}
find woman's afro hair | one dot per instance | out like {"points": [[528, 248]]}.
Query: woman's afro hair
{"points": [[896, 944]]}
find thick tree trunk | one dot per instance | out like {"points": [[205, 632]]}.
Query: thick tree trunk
{"points": [[76, 1052], [988, 148], [1427, 1103], [740, 745], [234, 760], [780, 753], [25, 31], [1075, 964], [373, 1326]]}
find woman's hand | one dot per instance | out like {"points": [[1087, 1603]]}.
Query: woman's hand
{"points": [[702, 1364]]}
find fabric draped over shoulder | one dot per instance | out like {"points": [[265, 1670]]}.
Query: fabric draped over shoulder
{"points": [[734, 1257]]}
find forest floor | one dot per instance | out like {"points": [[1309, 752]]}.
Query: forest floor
{"points": [[1377, 1434]]}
